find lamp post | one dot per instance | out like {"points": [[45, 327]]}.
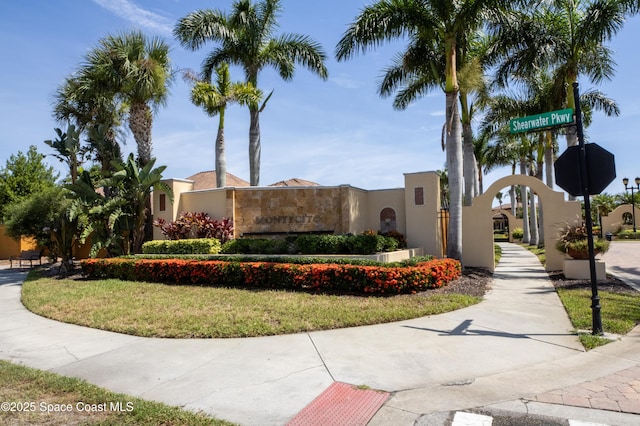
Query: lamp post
{"points": [[633, 201]]}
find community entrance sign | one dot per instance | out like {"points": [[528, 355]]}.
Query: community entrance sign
{"points": [[541, 121]]}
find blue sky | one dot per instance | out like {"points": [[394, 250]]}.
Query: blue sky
{"points": [[332, 132]]}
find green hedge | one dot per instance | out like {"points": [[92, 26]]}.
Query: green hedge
{"points": [[309, 277], [313, 244], [189, 246], [628, 234]]}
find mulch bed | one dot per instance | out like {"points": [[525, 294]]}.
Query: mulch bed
{"points": [[611, 284]]}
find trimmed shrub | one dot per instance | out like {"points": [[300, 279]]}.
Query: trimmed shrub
{"points": [[329, 277], [196, 225], [314, 244], [193, 246], [517, 233], [628, 234]]}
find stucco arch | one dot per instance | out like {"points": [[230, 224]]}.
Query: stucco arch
{"points": [[477, 229]]}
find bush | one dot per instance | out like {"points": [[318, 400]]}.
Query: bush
{"points": [[196, 225], [328, 277], [573, 237], [192, 246], [517, 233], [628, 234], [314, 244]]}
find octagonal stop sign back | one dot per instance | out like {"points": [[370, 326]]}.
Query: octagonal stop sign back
{"points": [[601, 169]]}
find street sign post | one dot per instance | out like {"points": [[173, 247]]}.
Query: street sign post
{"points": [[541, 121]]}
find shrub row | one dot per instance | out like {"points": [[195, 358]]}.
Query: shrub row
{"points": [[191, 246], [310, 277], [298, 260], [314, 244], [628, 234]]}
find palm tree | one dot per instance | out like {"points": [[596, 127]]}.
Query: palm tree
{"points": [[564, 35], [428, 23], [214, 100], [85, 102], [246, 38], [138, 71]]}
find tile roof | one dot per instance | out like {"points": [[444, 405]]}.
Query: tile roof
{"points": [[207, 180]]}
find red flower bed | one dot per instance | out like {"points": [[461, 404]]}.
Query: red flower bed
{"points": [[317, 277]]}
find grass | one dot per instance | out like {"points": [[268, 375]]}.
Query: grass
{"points": [[620, 310], [41, 395], [157, 310]]}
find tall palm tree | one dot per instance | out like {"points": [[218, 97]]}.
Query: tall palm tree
{"points": [[138, 71], [214, 100], [567, 36], [246, 38], [430, 23]]}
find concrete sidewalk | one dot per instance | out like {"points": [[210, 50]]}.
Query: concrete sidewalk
{"points": [[513, 347]]}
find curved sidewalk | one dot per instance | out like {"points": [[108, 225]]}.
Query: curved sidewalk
{"points": [[516, 344]]}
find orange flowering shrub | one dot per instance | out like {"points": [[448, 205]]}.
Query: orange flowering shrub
{"points": [[375, 280]]}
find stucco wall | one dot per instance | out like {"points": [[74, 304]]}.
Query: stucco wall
{"points": [[477, 229], [423, 226], [269, 211], [386, 198], [614, 223], [10, 247]]}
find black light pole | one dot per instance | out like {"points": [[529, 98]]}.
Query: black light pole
{"points": [[633, 200]]}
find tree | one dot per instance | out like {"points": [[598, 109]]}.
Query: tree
{"points": [[91, 106], [44, 216], [214, 100], [428, 23], [134, 184], [68, 149], [566, 36], [245, 37], [116, 223], [24, 175], [137, 71]]}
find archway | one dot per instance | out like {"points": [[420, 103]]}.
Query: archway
{"points": [[477, 229]]}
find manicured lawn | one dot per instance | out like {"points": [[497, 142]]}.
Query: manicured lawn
{"points": [[34, 397], [620, 306], [146, 309]]}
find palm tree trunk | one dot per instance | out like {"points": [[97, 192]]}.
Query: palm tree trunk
{"points": [[254, 146], [221, 160], [524, 200], [140, 123], [469, 163], [548, 160], [533, 216], [455, 171]]}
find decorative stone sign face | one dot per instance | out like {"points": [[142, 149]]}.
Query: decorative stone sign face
{"points": [[290, 220], [276, 211]]}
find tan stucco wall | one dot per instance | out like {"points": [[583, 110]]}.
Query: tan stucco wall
{"points": [[614, 223], [477, 229], [179, 187], [341, 209], [423, 227], [386, 198], [514, 222]]}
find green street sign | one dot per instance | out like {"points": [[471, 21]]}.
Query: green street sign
{"points": [[541, 121]]}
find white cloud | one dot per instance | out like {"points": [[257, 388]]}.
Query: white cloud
{"points": [[131, 12]]}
